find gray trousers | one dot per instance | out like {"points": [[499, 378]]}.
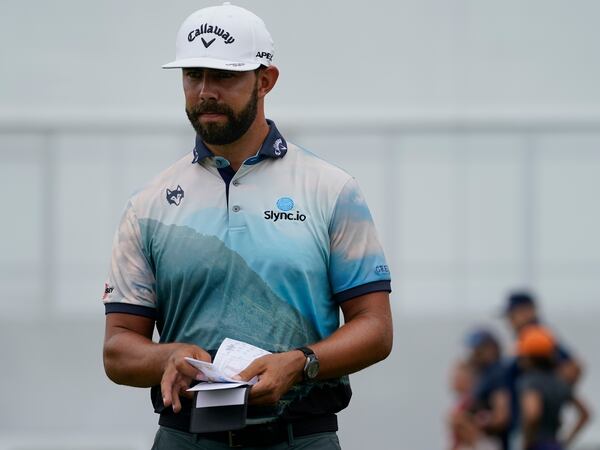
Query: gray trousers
{"points": [[171, 439]]}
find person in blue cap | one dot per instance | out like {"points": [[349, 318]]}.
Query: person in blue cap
{"points": [[491, 401]]}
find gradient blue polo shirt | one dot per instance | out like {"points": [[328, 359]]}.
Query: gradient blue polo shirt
{"points": [[264, 255]]}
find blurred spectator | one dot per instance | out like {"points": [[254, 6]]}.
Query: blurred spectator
{"points": [[482, 414], [490, 393], [466, 434], [543, 393], [521, 312]]}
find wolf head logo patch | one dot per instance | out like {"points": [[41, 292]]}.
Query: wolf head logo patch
{"points": [[174, 196]]}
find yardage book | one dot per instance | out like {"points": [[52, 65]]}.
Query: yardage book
{"points": [[221, 402]]}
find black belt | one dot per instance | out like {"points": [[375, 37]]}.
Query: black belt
{"points": [[272, 433]]}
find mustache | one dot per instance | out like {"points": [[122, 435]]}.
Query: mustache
{"points": [[208, 108]]}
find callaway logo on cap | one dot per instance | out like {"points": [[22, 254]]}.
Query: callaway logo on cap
{"points": [[223, 37]]}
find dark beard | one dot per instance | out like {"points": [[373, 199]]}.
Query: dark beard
{"points": [[235, 127]]}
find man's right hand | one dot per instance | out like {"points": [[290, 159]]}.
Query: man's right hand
{"points": [[178, 374], [133, 359]]}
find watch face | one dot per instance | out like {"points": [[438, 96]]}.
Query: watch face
{"points": [[312, 369]]}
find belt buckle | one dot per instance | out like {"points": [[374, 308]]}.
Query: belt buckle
{"points": [[233, 443]]}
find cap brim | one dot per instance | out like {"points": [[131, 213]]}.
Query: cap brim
{"points": [[211, 63]]}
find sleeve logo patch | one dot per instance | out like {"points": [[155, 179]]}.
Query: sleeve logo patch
{"points": [[107, 291], [382, 270]]}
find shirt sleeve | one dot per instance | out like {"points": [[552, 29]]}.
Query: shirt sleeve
{"points": [[131, 285], [357, 265]]}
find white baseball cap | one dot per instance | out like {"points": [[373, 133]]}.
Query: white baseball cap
{"points": [[223, 37]]}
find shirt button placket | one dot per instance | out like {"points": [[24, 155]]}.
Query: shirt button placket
{"points": [[236, 201]]}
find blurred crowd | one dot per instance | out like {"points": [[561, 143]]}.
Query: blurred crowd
{"points": [[515, 399]]}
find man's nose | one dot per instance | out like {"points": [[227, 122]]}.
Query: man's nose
{"points": [[207, 87]]}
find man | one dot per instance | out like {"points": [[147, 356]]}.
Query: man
{"points": [[251, 238], [491, 399], [481, 416], [521, 313]]}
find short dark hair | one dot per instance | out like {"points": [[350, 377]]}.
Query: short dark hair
{"points": [[517, 299]]}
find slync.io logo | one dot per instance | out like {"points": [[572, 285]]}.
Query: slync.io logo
{"points": [[285, 205]]}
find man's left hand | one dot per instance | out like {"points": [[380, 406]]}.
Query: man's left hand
{"points": [[276, 373]]}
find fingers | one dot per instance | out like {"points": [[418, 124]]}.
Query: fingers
{"points": [[257, 367], [276, 375], [201, 377], [179, 374], [265, 392], [201, 354], [175, 380], [263, 387], [187, 394], [173, 386], [166, 385], [185, 368], [175, 398], [180, 390]]}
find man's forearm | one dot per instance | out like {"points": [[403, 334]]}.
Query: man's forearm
{"points": [[584, 415], [135, 360], [132, 358], [363, 340]]}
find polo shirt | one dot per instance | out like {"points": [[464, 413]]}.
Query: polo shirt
{"points": [[264, 255]]}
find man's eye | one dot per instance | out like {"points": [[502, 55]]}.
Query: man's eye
{"points": [[220, 76], [194, 75]]}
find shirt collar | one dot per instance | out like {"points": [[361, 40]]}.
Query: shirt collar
{"points": [[274, 146]]}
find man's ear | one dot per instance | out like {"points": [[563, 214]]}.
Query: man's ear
{"points": [[267, 77]]}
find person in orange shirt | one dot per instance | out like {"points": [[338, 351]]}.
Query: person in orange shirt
{"points": [[543, 393]]}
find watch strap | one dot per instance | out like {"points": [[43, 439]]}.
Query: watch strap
{"points": [[307, 351]]}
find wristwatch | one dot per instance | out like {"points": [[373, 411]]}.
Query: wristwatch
{"points": [[311, 366]]}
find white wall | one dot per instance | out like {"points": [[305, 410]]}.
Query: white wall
{"points": [[411, 55]]}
